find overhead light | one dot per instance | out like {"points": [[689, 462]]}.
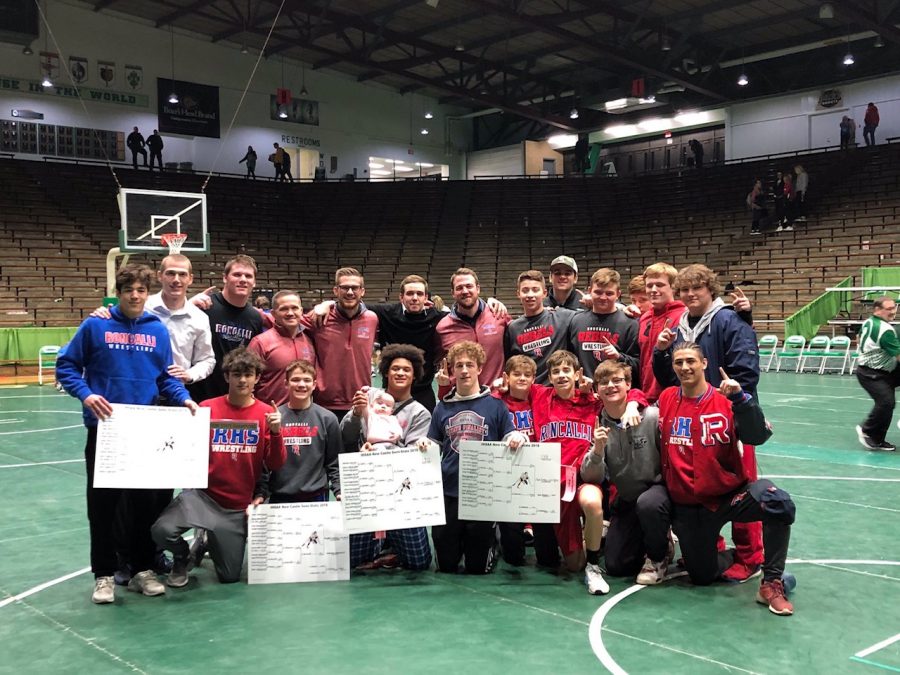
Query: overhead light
{"points": [[375, 165], [848, 59], [563, 141], [428, 115], [403, 168], [573, 114], [425, 165], [396, 161], [621, 130], [282, 113], [26, 50], [826, 11], [245, 49], [47, 82], [666, 45], [879, 43], [173, 98], [655, 124], [459, 47], [742, 80], [616, 104], [424, 132], [380, 172]]}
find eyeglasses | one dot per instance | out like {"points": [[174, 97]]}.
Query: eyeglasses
{"points": [[615, 381], [349, 289]]}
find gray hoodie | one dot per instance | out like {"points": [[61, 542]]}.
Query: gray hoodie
{"points": [[631, 456]]}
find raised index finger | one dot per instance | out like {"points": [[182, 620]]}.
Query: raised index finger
{"points": [[668, 322], [273, 405], [723, 374], [738, 292]]}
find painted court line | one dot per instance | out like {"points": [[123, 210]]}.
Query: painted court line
{"points": [[595, 635], [878, 647], [43, 534], [43, 586], [37, 431], [821, 461], [873, 663], [55, 461], [843, 503], [870, 480]]}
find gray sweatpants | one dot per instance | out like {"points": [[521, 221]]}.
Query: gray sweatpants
{"points": [[226, 528]]}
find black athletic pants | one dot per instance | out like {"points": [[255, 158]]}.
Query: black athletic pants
{"points": [[880, 385], [638, 529], [135, 152], [156, 156], [512, 543], [698, 528], [103, 504], [473, 540]]}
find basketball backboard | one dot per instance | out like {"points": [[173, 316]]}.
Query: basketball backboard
{"points": [[147, 215]]}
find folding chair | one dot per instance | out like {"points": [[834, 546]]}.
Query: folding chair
{"points": [[792, 349], [817, 348], [768, 345], [46, 360], [839, 348]]}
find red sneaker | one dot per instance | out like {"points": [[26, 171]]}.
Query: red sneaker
{"points": [[771, 593], [740, 572]]}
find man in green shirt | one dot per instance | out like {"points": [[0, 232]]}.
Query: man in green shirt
{"points": [[877, 371]]}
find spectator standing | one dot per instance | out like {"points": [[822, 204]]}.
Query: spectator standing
{"points": [[250, 159], [155, 145], [697, 148], [756, 200], [790, 198], [870, 123], [136, 143], [778, 196], [800, 186]]}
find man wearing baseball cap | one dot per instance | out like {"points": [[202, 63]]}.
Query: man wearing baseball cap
{"points": [[563, 277]]}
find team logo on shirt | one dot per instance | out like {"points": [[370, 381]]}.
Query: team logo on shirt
{"points": [[533, 340], [714, 429], [489, 329], [140, 342], [238, 334], [235, 436], [362, 332], [522, 421], [595, 339], [567, 429], [465, 426], [296, 435]]}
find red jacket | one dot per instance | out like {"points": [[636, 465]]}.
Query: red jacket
{"points": [[519, 413], [343, 355], [277, 350], [487, 331], [650, 325], [699, 445], [872, 118], [239, 447]]}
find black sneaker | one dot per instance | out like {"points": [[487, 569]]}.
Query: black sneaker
{"points": [[866, 441], [752, 232], [887, 447]]}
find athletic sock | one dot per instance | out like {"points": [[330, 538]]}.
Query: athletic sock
{"points": [[593, 557]]}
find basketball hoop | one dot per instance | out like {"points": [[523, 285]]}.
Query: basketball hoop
{"points": [[174, 240]]}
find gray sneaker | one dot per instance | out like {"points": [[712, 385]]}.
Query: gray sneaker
{"points": [[146, 582], [593, 577], [104, 591], [178, 577], [652, 573]]}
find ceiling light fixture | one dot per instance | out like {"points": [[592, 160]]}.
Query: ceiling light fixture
{"points": [[848, 59], [459, 46], [282, 113], [173, 97], [26, 50], [573, 114], [303, 91], [244, 49], [826, 11], [879, 42], [742, 80], [429, 116], [424, 132]]}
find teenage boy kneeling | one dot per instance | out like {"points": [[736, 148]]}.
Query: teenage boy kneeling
{"points": [[245, 439]]}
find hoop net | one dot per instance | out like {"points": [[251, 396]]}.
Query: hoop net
{"points": [[174, 241]]}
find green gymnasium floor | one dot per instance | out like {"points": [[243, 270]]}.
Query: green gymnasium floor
{"points": [[845, 554]]}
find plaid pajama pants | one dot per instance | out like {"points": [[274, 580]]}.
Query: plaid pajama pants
{"points": [[410, 544]]}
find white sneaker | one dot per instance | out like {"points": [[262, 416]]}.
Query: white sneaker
{"points": [[789, 228], [593, 577], [146, 582], [779, 228], [104, 591], [652, 573]]}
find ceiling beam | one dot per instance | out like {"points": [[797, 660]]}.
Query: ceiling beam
{"points": [[184, 11], [612, 53], [886, 30]]}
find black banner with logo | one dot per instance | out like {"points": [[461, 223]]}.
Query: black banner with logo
{"points": [[195, 114]]}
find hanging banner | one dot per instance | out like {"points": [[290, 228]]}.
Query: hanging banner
{"points": [[50, 65], [107, 72], [195, 114], [134, 76], [78, 66], [90, 94]]}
